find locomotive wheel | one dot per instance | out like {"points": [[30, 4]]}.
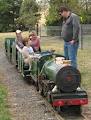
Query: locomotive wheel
{"points": [[37, 85], [40, 88], [41, 92], [45, 91], [27, 79]]}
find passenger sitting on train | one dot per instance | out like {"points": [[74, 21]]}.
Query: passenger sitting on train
{"points": [[19, 39], [35, 41], [27, 51]]}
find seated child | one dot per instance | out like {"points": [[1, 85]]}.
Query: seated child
{"points": [[27, 51]]}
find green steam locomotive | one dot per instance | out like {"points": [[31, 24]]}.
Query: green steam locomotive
{"points": [[53, 76]]}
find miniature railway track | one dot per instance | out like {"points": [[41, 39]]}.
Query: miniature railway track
{"points": [[74, 117], [85, 118]]}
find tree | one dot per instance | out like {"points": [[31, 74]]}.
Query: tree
{"points": [[86, 13], [9, 12], [54, 19], [53, 16], [28, 13]]}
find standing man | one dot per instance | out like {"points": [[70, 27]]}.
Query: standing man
{"points": [[70, 34]]}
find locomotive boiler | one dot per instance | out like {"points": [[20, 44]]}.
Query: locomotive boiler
{"points": [[65, 77]]}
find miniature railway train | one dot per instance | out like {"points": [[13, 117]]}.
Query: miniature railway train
{"points": [[50, 70]]}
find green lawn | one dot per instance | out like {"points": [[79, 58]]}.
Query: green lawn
{"points": [[4, 113]]}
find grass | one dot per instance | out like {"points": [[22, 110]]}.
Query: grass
{"points": [[4, 113], [84, 61], [11, 34]]}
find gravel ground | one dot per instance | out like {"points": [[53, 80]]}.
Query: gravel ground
{"points": [[24, 102]]}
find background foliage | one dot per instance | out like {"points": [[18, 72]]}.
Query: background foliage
{"points": [[24, 14], [17, 14], [9, 12], [82, 9]]}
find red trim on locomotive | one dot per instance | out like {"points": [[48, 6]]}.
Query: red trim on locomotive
{"points": [[64, 102]]}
